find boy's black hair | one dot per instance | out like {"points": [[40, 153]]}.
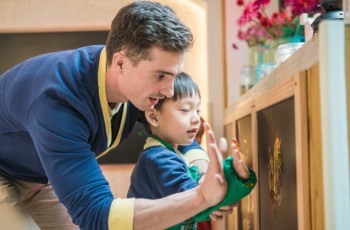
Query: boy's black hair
{"points": [[184, 86]]}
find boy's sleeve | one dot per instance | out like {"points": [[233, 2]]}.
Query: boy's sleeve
{"points": [[194, 152]]}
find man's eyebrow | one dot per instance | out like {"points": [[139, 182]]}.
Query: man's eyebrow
{"points": [[165, 73]]}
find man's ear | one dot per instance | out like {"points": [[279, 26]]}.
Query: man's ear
{"points": [[119, 59], [151, 117]]}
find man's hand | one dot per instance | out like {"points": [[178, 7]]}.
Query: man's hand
{"points": [[240, 169], [223, 211], [214, 187]]}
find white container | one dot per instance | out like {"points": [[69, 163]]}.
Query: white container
{"points": [[285, 50]]}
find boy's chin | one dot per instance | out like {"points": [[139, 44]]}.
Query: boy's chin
{"points": [[188, 142]]}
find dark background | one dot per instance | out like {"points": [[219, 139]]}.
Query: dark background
{"points": [[17, 47]]}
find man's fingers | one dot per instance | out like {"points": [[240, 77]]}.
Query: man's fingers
{"points": [[209, 133], [213, 152], [206, 124], [214, 186], [222, 212], [220, 178], [215, 217], [229, 207], [215, 157], [223, 146]]}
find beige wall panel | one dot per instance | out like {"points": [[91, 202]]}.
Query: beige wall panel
{"points": [[315, 150], [57, 15]]}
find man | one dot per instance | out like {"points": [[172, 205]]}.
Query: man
{"points": [[61, 111]]}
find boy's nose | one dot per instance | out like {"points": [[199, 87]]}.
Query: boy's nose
{"points": [[196, 119]]}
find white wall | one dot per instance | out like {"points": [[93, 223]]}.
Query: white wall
{"points": [[236, 58], [215, 65]]}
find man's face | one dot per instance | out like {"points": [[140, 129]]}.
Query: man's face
{"points": [[148, 81]]}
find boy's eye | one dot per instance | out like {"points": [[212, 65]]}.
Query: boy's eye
{"points": [[185, 110]]}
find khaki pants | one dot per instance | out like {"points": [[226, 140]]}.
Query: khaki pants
{"points": [[25, 205]]}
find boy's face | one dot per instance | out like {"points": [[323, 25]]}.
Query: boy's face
{"points": [[179, 121], [148, 81]]}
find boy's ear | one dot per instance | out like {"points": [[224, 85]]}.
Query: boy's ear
{"points": [[151, 117]]}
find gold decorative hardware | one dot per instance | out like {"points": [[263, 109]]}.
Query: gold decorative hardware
{"points": [[275, 169]]}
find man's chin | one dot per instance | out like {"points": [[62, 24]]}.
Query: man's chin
{"points": [[145, 108]]}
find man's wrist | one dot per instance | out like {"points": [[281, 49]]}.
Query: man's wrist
{"points": [[201, 200]]}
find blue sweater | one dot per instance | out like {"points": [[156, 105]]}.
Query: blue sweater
{"points": [[53, 126]]}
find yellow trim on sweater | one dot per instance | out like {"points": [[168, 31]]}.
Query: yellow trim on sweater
{"points": [[196, 154], [153, 142], [121, 214], [102, 66], [105, 107], [150, 142]]}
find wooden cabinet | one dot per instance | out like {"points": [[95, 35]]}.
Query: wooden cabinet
{"points": [[277, 124]]}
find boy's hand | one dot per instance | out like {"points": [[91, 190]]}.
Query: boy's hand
{"points": [[238, 164]]}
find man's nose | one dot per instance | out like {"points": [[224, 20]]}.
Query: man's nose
{"points": [[168, 89]]}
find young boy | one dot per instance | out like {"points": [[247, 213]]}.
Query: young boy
{"points": [[162, 169]]}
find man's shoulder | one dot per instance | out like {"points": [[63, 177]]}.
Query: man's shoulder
{"points": [[91, 48]]}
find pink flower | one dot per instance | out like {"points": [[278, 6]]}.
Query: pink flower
{"points": [[234, 46], [249, 13], [303, 6], [256, 27], [240, 2], [261, 3], [241, 35]]}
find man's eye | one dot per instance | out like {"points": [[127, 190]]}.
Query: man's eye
{"points": [[159, 77]]}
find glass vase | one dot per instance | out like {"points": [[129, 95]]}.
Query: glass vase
{"points": [[256, 59]]}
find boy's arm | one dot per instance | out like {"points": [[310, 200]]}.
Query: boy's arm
{"points": [[196, 156], [168, 211]]}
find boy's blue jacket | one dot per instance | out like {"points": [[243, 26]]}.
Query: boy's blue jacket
{"points": [[159, 172]]}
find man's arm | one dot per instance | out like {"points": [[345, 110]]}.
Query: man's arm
{"points": [[168, 211]]}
